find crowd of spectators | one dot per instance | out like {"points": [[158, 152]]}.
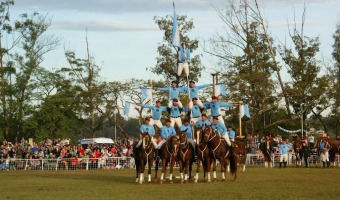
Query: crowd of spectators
{"points": [[67, 154]]}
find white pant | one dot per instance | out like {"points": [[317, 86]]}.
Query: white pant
{"points": [[152, 140], [170, 104], [182, 66], [199, 103], [226, 137], [161, 144], [158, 123], [178, 121], [192, 142], [283, 157], [220, 119], [194, 120]]}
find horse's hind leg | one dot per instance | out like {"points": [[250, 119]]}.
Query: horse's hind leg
{"points": [[142, 168], [163, 170], [149, 170], [197, 169], [156, 169]]}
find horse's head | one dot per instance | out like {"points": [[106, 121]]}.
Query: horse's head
{"points": [[174, 144], [208, 133], [146, 140], [183, 138], [198, 134]]}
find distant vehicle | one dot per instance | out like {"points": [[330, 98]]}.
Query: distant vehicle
{"points": [[96, 141]]}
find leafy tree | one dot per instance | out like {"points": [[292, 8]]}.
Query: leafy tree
{"points": [[167, 59]]}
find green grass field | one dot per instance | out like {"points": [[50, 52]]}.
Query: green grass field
{"points": [[255, 183]]}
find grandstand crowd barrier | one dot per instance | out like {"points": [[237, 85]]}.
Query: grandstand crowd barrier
{"points": [[112, 163]]}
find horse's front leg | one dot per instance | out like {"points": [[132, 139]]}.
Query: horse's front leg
{"points": [[142, 168], [197, 169], [180, 163], [186, 169], [149, 169], [214, 169], [156, 169], [164, 161], [223, 167], [173, 160]]}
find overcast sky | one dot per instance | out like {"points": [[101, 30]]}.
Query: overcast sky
{"points": [[123, 36]]}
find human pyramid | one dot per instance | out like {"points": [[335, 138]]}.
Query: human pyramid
{"points": [[175, 108]]}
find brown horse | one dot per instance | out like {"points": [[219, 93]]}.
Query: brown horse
{"points": [[185, 157], [334, 148], [266, 148], [203, 155], [144, 155], [220, 151], [169, 152], [297, 146], [241, 153]]}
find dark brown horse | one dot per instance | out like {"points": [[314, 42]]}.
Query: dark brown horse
{"points": [[266, 148], [185, 157], [169, 152], [297, 146], [241, 153], [220, 151], [144, 155], [203, 155]]}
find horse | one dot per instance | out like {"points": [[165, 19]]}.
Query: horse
{"points": [[169, 152], [185, 157], [203, 155], [266, 148], [219, 151], [241, 153], [297, 147], [334, 148], [144, 155]]}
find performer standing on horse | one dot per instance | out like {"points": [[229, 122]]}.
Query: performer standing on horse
{"points": [[215, 107], [174, 91], [156, 114], [220, 128], [175, 113], [147, 128], [195, 111], [187, 127]]}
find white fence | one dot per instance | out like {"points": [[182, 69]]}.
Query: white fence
{"points": [[122, 163]]}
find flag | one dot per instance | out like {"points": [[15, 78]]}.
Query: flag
{"points": [[146, 94], [244, 110], [175, 30], [128, 108], [220, 90]]}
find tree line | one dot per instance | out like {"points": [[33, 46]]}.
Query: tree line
{"points": [[74, 102]]}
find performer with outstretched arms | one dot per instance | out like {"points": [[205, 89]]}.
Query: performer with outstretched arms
{"points": [[174, 91], [215, 107], [193, 92], [156, 113]]}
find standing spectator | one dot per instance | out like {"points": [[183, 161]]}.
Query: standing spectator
{"points": [[305, 153], [311, 141], [324, 157], [283, 150]]}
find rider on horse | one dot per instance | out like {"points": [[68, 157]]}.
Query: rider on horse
{"points": [[187, 127], [166, 132], [204, 122], [222, 130], [231, 134], [147, 128]]}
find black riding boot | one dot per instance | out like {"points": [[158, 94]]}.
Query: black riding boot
{"points": [[323, 164], [328, 164], [284, 164], [280, 164]]}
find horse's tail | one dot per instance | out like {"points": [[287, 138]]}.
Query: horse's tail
{"points": [[233, 163]]}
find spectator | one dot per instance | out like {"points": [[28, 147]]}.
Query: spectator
{"points": [[305, 153], [324, 157]]}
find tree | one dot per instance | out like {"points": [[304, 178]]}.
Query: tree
{"points": [[335, 77], [247, 65], [167, 59], [307, 88]]}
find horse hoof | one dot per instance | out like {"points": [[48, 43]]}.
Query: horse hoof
{"points": [[223, 180], [214, 180], [171, 182], [185, 182], [195, 181]]}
